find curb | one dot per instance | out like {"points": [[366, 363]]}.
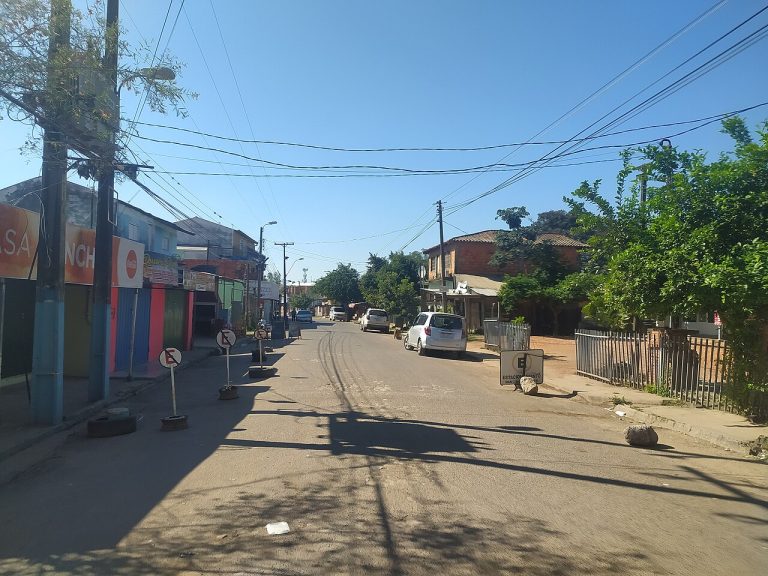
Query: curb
{"points": [[687, 429], [661, 421]]}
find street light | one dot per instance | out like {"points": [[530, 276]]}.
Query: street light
{"points": [[261, 271], [286, 278], [294, 263]]}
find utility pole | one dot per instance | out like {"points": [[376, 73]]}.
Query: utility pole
{"points": [[285, 283], [442, 251], [47, 391], [98, 374], [260, 273], [247, 294]]}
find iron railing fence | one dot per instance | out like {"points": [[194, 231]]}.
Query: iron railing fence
{"points": [[688, 368], [506, 335]]}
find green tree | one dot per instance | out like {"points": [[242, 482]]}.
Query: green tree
{"points": [[302, 301], [25, 67], [340, 285], [545, 279], [515, 290], [393, 283], [555, 221], [699, 243]]}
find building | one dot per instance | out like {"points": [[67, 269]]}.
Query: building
{"points": [[228, 297], [471, 283], [149, 310]]}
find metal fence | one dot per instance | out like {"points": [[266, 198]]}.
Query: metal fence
{"points": [[690, 369], [506, 336]]}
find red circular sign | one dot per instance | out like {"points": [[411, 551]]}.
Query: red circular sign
{"points": [[131, 263]]}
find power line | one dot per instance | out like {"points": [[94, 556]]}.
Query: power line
{"points": [[654, 99], [607, 85], [472, 169], [223, 106], [445, 149], [242, 103], [509, 168]]}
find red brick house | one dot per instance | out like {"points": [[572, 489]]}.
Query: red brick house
{"points": [[471, 283]]}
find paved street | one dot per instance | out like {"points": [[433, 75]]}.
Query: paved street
{"points": [[381, 462]]}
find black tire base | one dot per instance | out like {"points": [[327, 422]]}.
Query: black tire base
{"points": [[107, 426], [228, 393], [171, 423]]}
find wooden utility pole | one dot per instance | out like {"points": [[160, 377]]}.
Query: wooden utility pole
{"points": [[47, 390], [442, 252], [98, 374], [285, 283]]}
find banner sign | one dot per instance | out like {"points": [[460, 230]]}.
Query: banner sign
{"points": [[199, 281], [19, 231], [159, 269], [269, 290]]}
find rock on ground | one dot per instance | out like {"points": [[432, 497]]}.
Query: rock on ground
{"points": [[528, 385], [641, 435]]}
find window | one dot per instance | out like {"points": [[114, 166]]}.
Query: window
{"points": [[447, 322], [420, 319], [133, 231], [165, 243]]}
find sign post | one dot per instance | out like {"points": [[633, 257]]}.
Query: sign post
{"points": [[261, 335], [170, 358], [226, 339], [515, 364], [260, 371]]}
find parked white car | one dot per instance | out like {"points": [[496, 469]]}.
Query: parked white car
{"points": [[337, 313], [375, 319], [437, 331]]}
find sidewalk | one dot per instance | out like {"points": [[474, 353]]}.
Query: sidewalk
{"points": [[18, 434], [728, 431]]}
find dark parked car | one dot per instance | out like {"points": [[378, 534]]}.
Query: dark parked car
{"points": [[303, 316]]}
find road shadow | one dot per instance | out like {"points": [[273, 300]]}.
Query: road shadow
{"points": [[341, 518], [549, 395], [341, 525], [353, 433]]}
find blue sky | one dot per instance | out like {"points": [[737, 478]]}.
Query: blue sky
{"points": [[410, 74]]}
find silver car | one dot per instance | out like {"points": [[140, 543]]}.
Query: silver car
{"points": [[338, 313], [375, 319], [437, 331]]}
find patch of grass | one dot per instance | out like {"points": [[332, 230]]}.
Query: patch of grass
{"points": [[673, 402], [621, 400], [659, 390]]}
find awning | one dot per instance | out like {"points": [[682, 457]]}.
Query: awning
{"points": [[480, 285]]}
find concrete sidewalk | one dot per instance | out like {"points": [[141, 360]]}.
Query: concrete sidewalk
{"points": [[25, 443], [729, 431]]}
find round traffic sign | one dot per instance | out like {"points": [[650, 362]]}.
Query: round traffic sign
{"points": [[226, 338], [261, 334], [170, 357]]}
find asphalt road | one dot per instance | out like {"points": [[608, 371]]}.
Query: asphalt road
{"points": [[381, 462]]}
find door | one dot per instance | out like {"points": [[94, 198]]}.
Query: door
{"points": [[125, 326], [175, 318]]}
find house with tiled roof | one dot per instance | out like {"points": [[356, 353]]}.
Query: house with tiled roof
{"points": [[471, 282]]}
